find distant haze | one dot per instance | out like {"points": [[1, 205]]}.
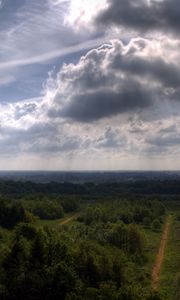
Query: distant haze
{"points": [[91, 176]]}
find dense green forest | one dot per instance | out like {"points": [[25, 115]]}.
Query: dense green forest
{"points": [[112, 189], [106, 252]]}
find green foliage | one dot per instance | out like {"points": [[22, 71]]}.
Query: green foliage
{"points": [[47, 210], [101, 256], [139, 212], [36, 266], [128, 238], [69, 204], [156, 225], [146, 221], [154, 295], [13, 213]]}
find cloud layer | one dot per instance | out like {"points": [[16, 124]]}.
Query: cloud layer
{"points": [[115, 106]]}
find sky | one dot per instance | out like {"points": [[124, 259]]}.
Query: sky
{"points": [[89, 85]]}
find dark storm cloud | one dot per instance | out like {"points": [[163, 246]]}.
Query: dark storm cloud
{"points": [[142, 15], [157, 68], [89, 107]]}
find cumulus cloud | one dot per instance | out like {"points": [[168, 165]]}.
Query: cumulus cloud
{"points": [[117, 79], [142, 15]]}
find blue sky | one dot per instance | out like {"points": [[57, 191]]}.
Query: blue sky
{"points": [[35, 40], [89, 84]]}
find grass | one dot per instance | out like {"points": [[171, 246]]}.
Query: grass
{"points": [[153, 241], [170, 275]]}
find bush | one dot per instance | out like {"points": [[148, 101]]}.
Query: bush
{"points": [[156, 225]]}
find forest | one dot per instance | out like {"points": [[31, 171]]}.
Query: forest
{"points": [[88, 241]]}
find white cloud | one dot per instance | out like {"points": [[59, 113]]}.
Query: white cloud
{"points": [[81, 12], [116, 79]]}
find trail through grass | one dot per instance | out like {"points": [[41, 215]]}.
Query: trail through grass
{"points": [[160, 257], [170, 274]]}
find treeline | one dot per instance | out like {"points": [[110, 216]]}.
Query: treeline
{"points": [[131, 188], [28, 209], [139, 212]]}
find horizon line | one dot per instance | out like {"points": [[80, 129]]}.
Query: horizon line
{"points": [[91, 170]]}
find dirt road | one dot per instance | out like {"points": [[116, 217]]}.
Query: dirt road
{"points": [[160, 257], [67, 220]]}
